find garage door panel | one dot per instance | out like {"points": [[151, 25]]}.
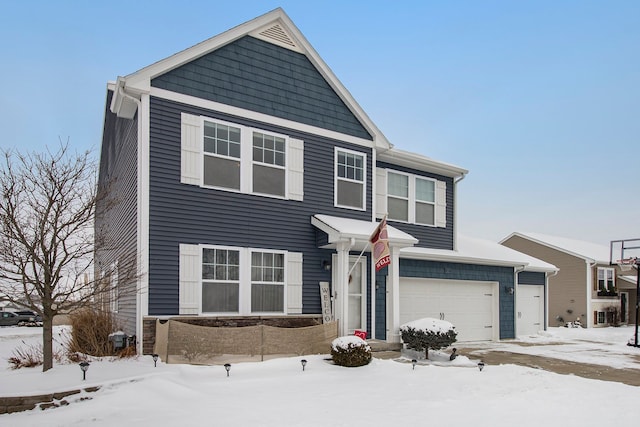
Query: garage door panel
{"points": [[469, 306]]}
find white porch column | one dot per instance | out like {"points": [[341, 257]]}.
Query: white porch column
{"points": [[393, 286], [342, 286]]}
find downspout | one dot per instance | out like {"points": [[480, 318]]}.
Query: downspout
{"points": [[516, 270], [455, 211], [139, 286], [590, 265]]}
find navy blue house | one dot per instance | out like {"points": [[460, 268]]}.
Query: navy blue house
{"points": [[246, 178]]}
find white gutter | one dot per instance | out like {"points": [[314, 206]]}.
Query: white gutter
{"points": [[590, 264]]}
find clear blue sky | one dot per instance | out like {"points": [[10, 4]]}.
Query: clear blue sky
{"points": [[539, 100]]}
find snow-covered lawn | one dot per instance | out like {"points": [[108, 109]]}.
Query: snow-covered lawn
{"points": [[383, 393]]}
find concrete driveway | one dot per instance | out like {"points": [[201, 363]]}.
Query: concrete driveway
{"points": [[630, 376]]}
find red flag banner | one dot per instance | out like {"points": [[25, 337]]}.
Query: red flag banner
{"points": [[380, 241]]}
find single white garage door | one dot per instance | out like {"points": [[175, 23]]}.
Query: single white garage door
{"points": [[530, 309], [472, 307]]}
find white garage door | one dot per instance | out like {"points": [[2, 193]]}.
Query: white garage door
{"points": [[472, 307], [530, 306]]}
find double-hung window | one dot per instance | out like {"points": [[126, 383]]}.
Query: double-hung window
{"points": [[606, 281], [239, 158], [398, 194], [221, 156], [411, 198], [220, 280], [350, 175], [269, 171], [267, 282], [425, 201]]}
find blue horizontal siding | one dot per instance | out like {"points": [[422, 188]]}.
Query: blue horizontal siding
{"points": [[117, 214], [428, 237], [259, 76], [181, 213], [456, 271]]}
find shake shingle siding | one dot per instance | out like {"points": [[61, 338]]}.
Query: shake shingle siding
{"points": [[429, 237], [259, 76], [118, 174], [182, 213]]}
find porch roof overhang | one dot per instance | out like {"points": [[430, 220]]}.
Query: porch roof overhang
{"points": [[340, 229]]}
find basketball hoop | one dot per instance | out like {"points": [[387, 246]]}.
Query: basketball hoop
{"points": [[627, 264]]}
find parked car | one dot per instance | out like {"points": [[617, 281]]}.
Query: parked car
{"points": [[30, 314], [8, 318]]}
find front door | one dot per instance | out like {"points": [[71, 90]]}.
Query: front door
{"points": [[624, 307], [357, 295]]}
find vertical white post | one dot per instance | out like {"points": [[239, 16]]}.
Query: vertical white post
{"points": [[393, 287], [342, 287]]}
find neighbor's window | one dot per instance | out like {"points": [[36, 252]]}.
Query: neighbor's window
{"points": [[606, 281], [221, 155], [267, 282], [269, 164], [398, 196], [602, 317], [220, 280], [350, 179]]}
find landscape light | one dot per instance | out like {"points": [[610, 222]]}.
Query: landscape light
{"points": [[304, 363], [155, 359], [84, 366], [413, 362], [227, 366], [480, 365]]}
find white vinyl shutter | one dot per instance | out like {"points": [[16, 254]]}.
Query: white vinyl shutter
{"points": [[189, 279], [294, 283], [381, 192], [295, 168], [191, 149], [441, 204]]}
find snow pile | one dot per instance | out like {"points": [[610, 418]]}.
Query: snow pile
{"points": [[429, 324], [347, 342]]}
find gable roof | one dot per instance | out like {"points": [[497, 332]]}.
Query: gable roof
{"points": [[591, 252], [274, 27], [472, 250]]}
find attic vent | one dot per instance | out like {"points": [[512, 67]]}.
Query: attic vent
{"points": [[278, 35]]}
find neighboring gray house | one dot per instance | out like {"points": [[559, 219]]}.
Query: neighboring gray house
{"points": [[246, 176], [587, 287]]}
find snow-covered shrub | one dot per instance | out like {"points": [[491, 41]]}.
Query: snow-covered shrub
{"points": [[428, 333], [350, 351]]}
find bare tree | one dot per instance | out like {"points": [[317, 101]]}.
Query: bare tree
{"points": [[47, 213]]}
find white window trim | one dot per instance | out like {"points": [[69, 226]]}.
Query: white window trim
{"points": [[252, 162], [192, 157], [244, 282], [336, 178], [412, 198], [605, 271]]}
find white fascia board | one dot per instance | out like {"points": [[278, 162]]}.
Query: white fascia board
{"points": [[421, 163], [453, 256], [548, 245], [141, 80], [459, 259], [260, 117]]}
